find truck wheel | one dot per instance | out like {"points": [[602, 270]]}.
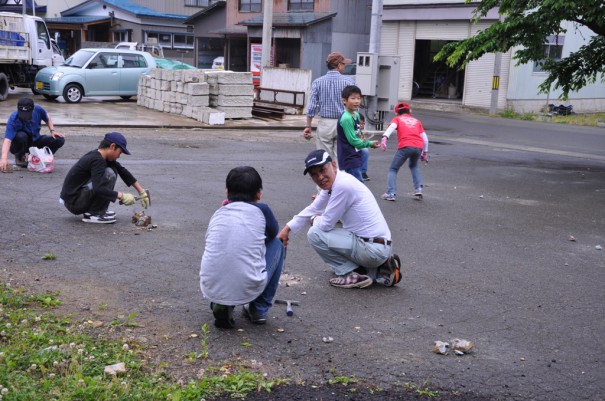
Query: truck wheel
{"points": [[3, 86], [73, 93]]}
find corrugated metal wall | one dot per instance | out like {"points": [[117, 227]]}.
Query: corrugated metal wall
{"points": [[442, 30]]}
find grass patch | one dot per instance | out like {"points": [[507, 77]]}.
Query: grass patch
{"points": [[588, 119], [44, 357]]}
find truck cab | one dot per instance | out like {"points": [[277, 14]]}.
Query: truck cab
{"points": [[25, 48]]}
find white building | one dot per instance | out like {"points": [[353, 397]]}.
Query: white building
{"points": [[417, 29]]}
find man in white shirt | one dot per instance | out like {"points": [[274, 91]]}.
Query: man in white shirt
{"points": [[359, 252]]}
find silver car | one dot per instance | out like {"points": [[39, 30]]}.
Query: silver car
{"points": [[95, 72]]}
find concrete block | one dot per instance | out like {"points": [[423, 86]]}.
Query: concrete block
{"points": [[181, 98], [193, 76], [195, 112], [176, 108], [177, 75], [164, 85], [187, 110], [231, 101], [198, 101], [235, 78], [236, 112], [212, 117], [233, 89], [197, 89], [166, 108], [156, 73], [158, 105], [168, 97], [179, 87], [173, 86]]}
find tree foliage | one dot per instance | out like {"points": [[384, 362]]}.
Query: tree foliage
{"points": [[528, 23]]}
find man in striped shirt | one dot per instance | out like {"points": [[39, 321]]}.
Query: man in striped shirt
{"points": [[326, 101]]}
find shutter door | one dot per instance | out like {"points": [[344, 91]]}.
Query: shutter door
{"points": [[442, 30], [478, 82], [407, 47]]}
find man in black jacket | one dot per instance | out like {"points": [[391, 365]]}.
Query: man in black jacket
{"points": [[89, 185]]}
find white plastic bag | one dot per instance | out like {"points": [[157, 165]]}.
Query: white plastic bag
{"points": [[41, 160]]}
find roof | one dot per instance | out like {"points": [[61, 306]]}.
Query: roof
{"points": [[85, 19], [290, 19], [124, 5], [142, 11], [231, 30], [206, 11]]}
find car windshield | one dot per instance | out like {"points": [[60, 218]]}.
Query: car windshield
{"points": [[79, 58]]}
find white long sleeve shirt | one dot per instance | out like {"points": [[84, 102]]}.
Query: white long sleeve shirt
{"points": [[349, 201]]}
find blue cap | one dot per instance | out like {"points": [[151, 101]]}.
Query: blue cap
{"points": [[318, 157], [118, 139]]}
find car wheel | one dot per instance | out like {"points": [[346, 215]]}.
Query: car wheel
{"points": [[125, 97], [3, 86], [50, 97], [73, 93]]}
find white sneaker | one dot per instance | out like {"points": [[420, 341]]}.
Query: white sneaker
{"points": [[108, 213], [102, 219], [418, 194]]}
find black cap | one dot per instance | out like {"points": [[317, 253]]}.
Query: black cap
{"points": [[118, 139], [25, 108], [318, 157]]}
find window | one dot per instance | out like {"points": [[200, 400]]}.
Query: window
{"points": [[553, 50], [120, 36], [163, 39], [133, 61], [250, 6], [183, 41], [300, 5], [43, 33], [199, 3]]}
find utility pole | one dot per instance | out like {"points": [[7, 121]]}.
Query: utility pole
{"points": [[267, 31], [493, 107], [375, 31]]}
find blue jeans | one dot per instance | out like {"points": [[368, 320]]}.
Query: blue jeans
{"points": [[365, 155], [274, 257], [398, 159], [355, 172], [343, 251]]}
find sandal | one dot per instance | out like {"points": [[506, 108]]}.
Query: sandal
{"points": [[351, 280]]}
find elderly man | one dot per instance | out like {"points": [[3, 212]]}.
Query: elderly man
{"points": [[23, 131], [326, 100], [359, 252]]}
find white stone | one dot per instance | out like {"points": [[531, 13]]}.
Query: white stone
{"points": [[212, 117], [235, 78], [231, 101], [233, 89], [197, 88], [236, 112], [181, 98], [198, 101]]}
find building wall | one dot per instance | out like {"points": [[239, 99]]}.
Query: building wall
{"points": [[54, 7], [316, 45], [523, 85]]}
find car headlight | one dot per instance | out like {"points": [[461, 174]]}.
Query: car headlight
{"points": [[56, 76]]}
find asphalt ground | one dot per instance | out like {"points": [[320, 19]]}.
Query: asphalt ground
{"points": [[488, 256]]}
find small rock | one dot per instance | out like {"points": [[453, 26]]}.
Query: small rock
{"points": [[572, 238], [303, 293], [280, 330], [598, 247], [441, 347], [480, 196], [327, 339], [115, 369]]}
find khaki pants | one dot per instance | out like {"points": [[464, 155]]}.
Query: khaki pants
{"points": [[326, 136]]}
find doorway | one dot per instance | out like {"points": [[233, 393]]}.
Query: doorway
{"points": [[435, 79]]}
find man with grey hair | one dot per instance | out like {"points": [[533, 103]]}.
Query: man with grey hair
{"points": [[360, 252]]}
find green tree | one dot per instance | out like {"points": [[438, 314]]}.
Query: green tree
{"points": [[528, 23]]}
